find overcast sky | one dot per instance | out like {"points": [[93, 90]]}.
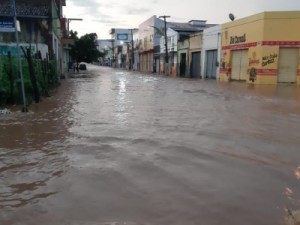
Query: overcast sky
{"points": [[100, 16]]}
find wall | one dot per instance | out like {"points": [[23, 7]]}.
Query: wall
{"points": [[146, 35], [195, 46], [146, 32], [279, 32], [183, 48], [211, 41], [262, 35], [4, 48], [172, 51], [150, 32], [251, 28]]}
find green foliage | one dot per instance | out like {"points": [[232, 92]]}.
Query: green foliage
{"points": [[47, 78], [84, 48]]}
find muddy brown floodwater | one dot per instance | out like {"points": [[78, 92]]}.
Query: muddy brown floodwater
{"points": [[114, 147]]}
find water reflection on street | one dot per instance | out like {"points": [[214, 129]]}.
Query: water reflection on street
{"points": [[115, 147]]}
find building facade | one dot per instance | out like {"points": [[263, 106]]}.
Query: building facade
{"points": [[120, 37], [172, 40], [105, 46], [195, 48], [41, 29], [211, 52], [262, 49], [150, 32], [184, 47], [178, 32]]}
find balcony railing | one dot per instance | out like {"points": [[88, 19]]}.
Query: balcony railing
{"points": [[31, 9]]}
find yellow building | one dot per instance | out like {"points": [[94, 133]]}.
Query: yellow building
{"points": [[195, 54], [262, 49]]}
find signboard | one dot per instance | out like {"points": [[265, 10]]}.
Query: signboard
{"points": [[237, 39], [7, 24], [122, 37]]}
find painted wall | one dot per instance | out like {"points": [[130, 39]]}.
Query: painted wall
{"points": [[279, 32], [150, 32], [146, 36], [211, 41], [4, 48], [251, 29], [262, 35], [172, 40], [183, 48], [195, 46], [136, 46]]}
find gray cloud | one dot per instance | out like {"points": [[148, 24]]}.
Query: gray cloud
{"points": [[99, 12], [94, 7], [137, 11], [108, 22], [85, 3], [89, 7]]}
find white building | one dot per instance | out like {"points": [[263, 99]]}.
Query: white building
{"points": [[172, 40], [105, 46], [211, 52], [119, 37], [179, 32]]}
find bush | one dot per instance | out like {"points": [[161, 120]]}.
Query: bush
{"points": [[10, 90]]}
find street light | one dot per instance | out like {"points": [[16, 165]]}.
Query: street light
{"points": [[24, 109], [132, 53], [166, 46], [113, 52]]}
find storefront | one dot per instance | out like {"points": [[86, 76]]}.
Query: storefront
{"points": [[262, 49]]}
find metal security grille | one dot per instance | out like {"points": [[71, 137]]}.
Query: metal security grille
{"points": [[26, 8], [211, 64], [288, 65], [195, 65], [239, 64]]}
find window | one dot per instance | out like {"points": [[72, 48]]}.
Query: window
{"points": [[145, 42]]}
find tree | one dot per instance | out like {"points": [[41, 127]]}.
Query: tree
{"points": [[84, 48]]}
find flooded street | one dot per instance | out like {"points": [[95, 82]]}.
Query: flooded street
{"points": [[115, 147]]}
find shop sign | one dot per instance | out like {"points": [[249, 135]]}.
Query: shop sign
{"points": [[122, 37], [7, 24], [237, 39]]}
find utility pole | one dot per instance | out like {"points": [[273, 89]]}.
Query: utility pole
{"points": [[113, 52], [20, 71], [166, 45], [132, 53]]}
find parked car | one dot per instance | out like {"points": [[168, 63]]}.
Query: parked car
{"points": [[82, 66]]}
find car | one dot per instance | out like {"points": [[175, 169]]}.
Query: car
{"points": [[82, 66]]}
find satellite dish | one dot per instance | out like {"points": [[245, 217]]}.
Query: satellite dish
{"points": [[231, 17]]}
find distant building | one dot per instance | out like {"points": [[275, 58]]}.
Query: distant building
{"points": [[150, 32], [105, 46], [119, 37]]}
